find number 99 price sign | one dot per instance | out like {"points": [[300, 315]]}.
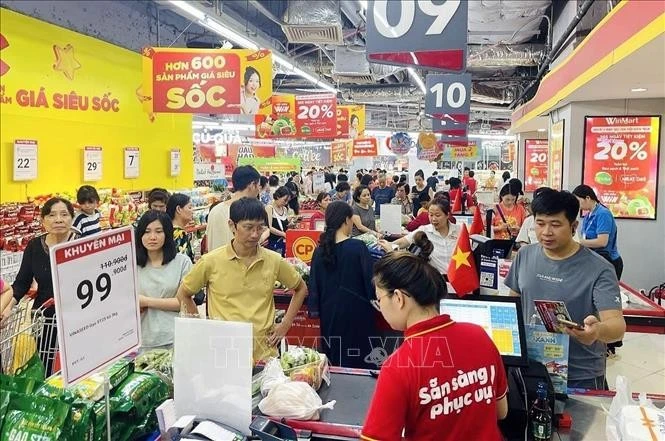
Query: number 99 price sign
{"points": [[97, 310]]}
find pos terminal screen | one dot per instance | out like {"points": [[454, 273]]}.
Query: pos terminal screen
{"points": [[500, 317]]}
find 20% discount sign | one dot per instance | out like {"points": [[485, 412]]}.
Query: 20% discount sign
{"points": [[97, 311]]}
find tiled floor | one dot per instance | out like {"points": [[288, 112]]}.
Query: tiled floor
{"points": [[642, 361]]}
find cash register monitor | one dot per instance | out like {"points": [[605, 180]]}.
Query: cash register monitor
{"points": [[500, 316]]}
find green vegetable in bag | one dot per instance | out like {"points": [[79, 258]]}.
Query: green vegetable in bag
{"points": [[17, 384], [34, 369], [34, 418]]}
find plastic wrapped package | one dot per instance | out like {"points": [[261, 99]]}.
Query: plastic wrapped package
{"points": [[30, 418], [307, 365], [294, 399], [630, 420]]}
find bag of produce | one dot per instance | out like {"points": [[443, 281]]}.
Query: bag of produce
{"points": [[307, 365], [139, 395], [31, 418], [293, 400], [79, 423], [272, 375], [158, 362]]}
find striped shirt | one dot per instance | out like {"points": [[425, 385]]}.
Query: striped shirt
{"points": [[87, 225]]}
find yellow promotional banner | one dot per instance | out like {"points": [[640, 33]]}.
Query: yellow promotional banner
{"points": [[351, 121], [555, 156], [219, 81], [67, 91]]}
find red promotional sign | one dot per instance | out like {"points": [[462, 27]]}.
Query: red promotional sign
{"points": [[301, 244], [621, 163], [207, 81], [535, 164], [365, 147], [316, 115]]}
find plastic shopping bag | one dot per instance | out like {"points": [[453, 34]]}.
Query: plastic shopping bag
{"points": [[630, 420], [272, 375], [295, 400]]}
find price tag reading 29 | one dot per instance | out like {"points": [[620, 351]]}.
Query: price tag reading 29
{"points": [[97, 310]]}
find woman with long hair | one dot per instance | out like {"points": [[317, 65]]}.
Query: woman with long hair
{"points": [[160, 271], [435, 367], [322, 201], [249, 100], [508, 214], [421, 192], [180, 210], [278, 220], [341, 291]]}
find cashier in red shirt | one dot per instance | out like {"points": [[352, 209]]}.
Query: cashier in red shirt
{"points": [[447, 380]]}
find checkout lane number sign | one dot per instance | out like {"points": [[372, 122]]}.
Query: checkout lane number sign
{"points": [[97, 310]]}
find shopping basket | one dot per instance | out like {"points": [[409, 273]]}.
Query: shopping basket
{"points": [[26, 332]]}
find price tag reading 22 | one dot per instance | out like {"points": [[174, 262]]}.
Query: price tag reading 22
{"points": [[96, 301]]}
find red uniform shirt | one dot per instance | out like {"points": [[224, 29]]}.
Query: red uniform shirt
{"points": [[443, 383], [471, 184]]}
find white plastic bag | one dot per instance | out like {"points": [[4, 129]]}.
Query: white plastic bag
{"points": [[272, 376], [295, 400], [630, 420]]}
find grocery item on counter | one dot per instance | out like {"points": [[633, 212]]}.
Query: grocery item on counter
{"points": [[139, 395], [158, 362], [295, 400], [306, 365], [32, 418]]}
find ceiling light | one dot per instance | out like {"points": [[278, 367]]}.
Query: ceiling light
{"points": [[417, 79], [542, 130], [215, 26], [638, 89]]}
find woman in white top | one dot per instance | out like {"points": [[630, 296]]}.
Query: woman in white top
{"points": [[160, 271], [440, 231]]}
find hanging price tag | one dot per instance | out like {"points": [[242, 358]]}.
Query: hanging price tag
{"points": [[92, 163], [175, 162], [25, 160], [96, 301], [131, 162]]}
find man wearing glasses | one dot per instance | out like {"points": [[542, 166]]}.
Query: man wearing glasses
{"points": [[240, 278]]}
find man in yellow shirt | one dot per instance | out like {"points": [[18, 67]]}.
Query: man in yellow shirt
{"points": [[241, 277]]}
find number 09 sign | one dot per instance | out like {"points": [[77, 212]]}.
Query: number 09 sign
{"points": [[97, 311]]}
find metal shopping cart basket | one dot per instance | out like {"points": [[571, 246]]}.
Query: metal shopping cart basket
{"points": [[27, 332]]}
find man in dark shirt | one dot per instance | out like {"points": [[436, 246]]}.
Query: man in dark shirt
{"points": [[382, 194], [433, 180]]}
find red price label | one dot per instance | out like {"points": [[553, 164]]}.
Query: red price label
{"points": [[316, 115], [536, 151]]}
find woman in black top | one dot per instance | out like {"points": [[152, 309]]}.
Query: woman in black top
{"points": [[278, 220], [341, 291], [57, 216], [420, 192]]}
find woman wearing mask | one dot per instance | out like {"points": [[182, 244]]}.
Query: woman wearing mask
{"points": [[57, 216], [341, 291], [180, 210], [420, 192], [160, 271], [417, 385], [440, 232], [508, 215], [322, 201], [278, 220], [363, 214]]}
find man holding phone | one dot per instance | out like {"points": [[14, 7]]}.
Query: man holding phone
{"points": [[559, 268]]}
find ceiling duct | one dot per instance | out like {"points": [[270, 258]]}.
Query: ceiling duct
{"points": [[391, 94], [512, 22], [492, 95], [351, 66], [502, 55], [313, 21]]}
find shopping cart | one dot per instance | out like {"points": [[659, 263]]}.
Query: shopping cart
{"points": [[27, 332]]}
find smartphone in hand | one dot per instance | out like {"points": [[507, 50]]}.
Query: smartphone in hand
{"points": [[570, 324]]}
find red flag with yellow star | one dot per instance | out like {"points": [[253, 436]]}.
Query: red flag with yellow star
{"points": [[462, 273]]}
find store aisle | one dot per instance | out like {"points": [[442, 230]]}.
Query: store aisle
{"points": [[642, 361]]}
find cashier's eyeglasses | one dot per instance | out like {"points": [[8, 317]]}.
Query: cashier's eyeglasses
{"points": [[376, 303]]}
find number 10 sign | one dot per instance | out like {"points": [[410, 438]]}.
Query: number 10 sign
{"points": [[97, 311]]}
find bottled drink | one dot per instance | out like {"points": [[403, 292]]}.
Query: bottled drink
{"points": [[540, 417]]}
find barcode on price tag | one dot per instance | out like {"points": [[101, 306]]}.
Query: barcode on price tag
{"points": [[131, 162], [97, 310], [92, 164], [25, 160]]}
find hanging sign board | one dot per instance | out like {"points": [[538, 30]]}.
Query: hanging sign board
{"points": [[621, 163], [555, 157], [535, 164], [175, 162], [448, 97], [97, 305], [418, 33], [25, 160], [365, 147], [92, 164], [131, 162]]}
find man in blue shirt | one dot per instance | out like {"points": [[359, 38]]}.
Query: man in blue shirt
{"points": [[382, 195]]}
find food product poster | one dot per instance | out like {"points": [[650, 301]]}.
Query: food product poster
{"points": [[551, 350], [621, 163], [427, 148], [556, 155], [310, 156], [340, 151], [350, 121], [535, 164], [214, 81], [302, 116]]}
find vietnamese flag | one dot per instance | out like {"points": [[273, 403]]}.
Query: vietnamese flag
{"points": [[477, 226], [462, 273]]}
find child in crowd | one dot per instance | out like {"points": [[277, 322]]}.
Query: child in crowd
{"points": [[86, 221]]}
